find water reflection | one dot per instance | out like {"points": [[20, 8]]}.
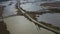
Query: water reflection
{"points": [[19, 22], [30, 7], [9, 8], [52, 18]]}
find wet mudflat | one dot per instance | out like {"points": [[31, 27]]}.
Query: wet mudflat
{"points": [[19, 24]]}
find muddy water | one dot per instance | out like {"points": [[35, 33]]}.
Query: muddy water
{"points": [[19, 24]]}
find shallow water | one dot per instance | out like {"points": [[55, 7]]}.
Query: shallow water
{"points": [[52, 18], [19, 24], [30, 7], [11, 9]]}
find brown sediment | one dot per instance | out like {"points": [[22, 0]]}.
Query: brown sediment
{"points": [[50, 25], [32, 15], [53, 4], [19, 13], [3, 28], [1, 10]]}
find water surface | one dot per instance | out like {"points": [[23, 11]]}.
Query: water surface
{"points": [[19, 24], [52, 18]]}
